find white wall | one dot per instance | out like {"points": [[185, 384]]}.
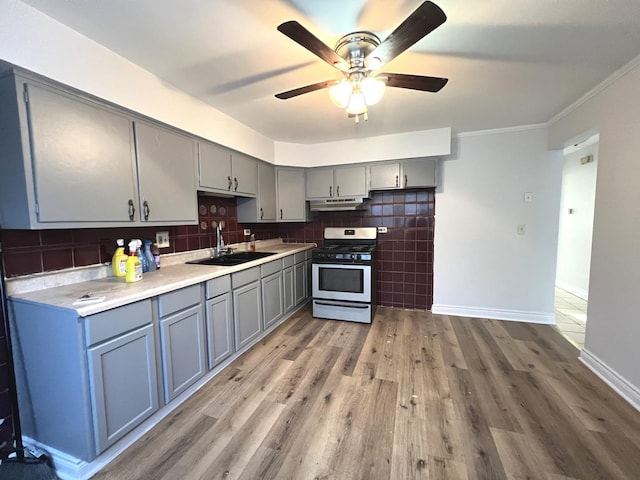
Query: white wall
{"points": [[613, 329], [577, 202], [426, 143], [482, 266], [34, 41]]}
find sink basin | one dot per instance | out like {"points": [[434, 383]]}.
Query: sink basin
{"points": [[232, 258]]}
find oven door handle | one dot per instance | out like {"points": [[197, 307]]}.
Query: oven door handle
{"points": [[328, 304]]}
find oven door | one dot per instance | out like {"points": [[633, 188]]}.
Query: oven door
{"points": [[348, 282]]}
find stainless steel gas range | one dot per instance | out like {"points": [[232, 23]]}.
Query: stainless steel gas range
{"points": [[344, 275]]}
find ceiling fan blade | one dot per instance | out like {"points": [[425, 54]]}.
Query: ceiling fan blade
{"points": [[426, 18], [306, 89], [414, 82], [308, 40]]}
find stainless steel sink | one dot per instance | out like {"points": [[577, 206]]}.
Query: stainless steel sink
{"points": [[232, 258]]}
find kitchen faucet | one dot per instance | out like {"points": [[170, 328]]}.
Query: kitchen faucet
{"points": [[220, 247]]}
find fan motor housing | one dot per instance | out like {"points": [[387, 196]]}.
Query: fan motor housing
{"points": [[356, 46]]}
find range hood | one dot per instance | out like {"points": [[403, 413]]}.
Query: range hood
{"points": [[333, 204]]}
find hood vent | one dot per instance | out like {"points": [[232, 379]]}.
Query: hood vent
{"points": [[333, 204]]}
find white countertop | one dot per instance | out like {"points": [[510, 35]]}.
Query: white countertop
{"points": [[117, 292]]}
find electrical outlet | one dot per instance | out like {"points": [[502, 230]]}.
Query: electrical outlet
{"points": [[247, 232], [162, 239], [382, 229]]}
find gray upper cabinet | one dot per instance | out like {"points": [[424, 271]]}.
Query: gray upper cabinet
{"points": [[385, 176], [225, 171], [69, 160], [166, 165], [419, 172], [263, 207], [337, 182], [214, 162], [412, 173], [290, 193]]}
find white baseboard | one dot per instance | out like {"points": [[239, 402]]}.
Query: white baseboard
{"points": [[609, 376], [578, 292], [496, 314]]}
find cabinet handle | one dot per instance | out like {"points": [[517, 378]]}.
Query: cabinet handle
{"points": [[280, 214], [235, 189], [397, 179], [405, 181], [261, 214], [132, 210], [337, 190], [146, 209], [330, 191], [230, 183]]}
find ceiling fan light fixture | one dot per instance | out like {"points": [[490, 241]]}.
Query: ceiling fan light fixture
{"points": [[340, 93], [357, 104], [372, 89]]}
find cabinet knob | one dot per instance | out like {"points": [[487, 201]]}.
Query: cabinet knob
{"points": [[330, 191], [405, 181], [337, 190], [397, 179], [230, 183], [261, 213], [146, 210], [280, 214], [235, 189], [132, 210]]}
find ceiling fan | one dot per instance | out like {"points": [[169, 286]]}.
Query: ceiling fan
{"points": [[360, 55]]}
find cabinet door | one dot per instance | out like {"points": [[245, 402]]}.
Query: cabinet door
{"points": [[288, 287], [300, 282], [166, 169], [320, 183], [83, 159], [219, 329], [272, 303], [384, 176], [419, 172], [247, 314], [350, 181], [266, 192], [182, 350], [214, 163], [290, 186], [245, 174], [123, 382]]}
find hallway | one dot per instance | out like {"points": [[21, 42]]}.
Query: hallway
{"points": [[571, 317]]}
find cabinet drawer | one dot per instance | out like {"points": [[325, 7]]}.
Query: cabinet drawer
{"points": [[171, 302], [271, 268], [246, 276], [218, 286], [287, 261], [117, 321], [300, 257]]}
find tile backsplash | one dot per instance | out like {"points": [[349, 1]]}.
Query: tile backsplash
{"points": [[405, 253]]}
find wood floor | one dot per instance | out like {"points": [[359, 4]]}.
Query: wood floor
{"points": [[411, 396]]}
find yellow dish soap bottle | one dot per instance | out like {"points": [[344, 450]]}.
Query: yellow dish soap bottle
{"points": [[133, 265], [119, 260]]}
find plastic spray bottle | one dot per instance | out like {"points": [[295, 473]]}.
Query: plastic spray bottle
{"points": [[151, 262], [133, 265], [119, 260]]}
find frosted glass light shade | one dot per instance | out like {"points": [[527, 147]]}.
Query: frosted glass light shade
{"points": [[341, 93], [357, 104], [373, 90]]}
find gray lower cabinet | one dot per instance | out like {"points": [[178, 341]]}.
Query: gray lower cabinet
{"points": [[124, 389], [272, 301], [300, 273], [219, 320], [182, 344], [247, 306]]}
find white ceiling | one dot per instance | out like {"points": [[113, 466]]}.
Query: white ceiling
{"points": [[509, 62]]}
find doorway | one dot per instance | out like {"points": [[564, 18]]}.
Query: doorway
{"points": [[577, 202]]}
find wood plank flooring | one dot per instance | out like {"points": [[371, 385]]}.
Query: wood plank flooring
{"points": [[412, 396]]}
